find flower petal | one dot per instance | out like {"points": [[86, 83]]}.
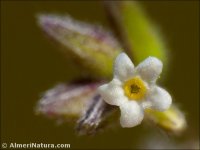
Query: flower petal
{"points": [[160, 99], [131, 114], [123, 68], [112, 93], [150, 69], [146, 104]]}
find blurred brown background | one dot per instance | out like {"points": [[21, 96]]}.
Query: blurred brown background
{"points": [[30, 64]]}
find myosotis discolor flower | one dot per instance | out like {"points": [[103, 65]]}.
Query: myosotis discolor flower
{"points": [[135, 89]]}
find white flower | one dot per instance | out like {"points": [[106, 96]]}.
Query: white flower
{"points": [[135, 89]]}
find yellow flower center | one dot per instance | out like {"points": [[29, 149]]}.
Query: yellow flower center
{"points": [[135, 88]]}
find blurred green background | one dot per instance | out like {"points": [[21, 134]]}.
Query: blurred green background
{"points": [[30, 64]]}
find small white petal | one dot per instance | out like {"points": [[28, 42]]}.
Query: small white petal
{"points": [[160, 99], [150, 69], [131, 114], [123, 68], [146, 104], [112, 93]]}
